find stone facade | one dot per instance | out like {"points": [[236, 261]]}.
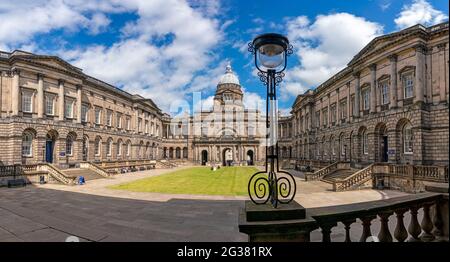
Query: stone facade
{"points": [[390, 104]]}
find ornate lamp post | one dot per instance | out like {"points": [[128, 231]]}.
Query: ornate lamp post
{"points": [[272, 185]]}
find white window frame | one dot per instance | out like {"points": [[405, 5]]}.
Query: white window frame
{"points": [[84, 112], [98, 116], [407, 139], [27, 144], [128, 120], [69, 103], [365, 143], [27, 94], [51, 99], [98, 147], [128, 148], [119, 120], [69, 149], [384, 91], [109, 146], [366, 99], [119, 148], [408, 84], [109, 114]]}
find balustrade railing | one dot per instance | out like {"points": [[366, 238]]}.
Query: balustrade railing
{"points": [[355, 179], [322, 172], [431, 227], [11, 170]]}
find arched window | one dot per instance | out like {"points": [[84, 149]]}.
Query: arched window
{"points": [[365, 142], [27, 144], [332, 145], [119, 148], [128, 148], [69, 145], [109, 147], [98, 146], [407, 139]]}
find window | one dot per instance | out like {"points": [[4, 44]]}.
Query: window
{"points": [[157, 130], [139, 127], [407, 139], [119, 148], [384, 86], [343, 109], [366, 99], [98, 146], [365, 142], [108, 117], [352, 104], [109, 147], [146, 126], [49, 105], [69, 109], [325, 117], [227, 97], [69, 145], [119, 121], [27, 144], [128, 123], [333, 113], [128, 148], [333, 152], [98, 116], [84, 112], [152, 128], [27, 104], [408, 84]]}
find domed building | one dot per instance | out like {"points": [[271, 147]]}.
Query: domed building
{"points": [[227, 134]]}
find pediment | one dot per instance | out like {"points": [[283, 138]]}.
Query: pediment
{"points": [[50, 61]]}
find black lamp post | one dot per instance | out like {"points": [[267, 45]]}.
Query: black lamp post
{"points": [[270, 52]]}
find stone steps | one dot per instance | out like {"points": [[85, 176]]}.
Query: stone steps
{"points": [[86, 173], [340, 174]]}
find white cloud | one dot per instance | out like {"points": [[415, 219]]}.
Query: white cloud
{"points": [[419, 12], [98, 23], [324, 47]]}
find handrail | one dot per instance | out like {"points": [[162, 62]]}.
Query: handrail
{"points": [[321, 172], [57, 174], [94, 167], [355, 179]]}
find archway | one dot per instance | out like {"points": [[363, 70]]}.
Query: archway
{"points": [[50, 141], [381, 142], [250, 157], [204, 157], [227, 157]]}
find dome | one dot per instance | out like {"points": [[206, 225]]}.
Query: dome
{"points": [[229, 77]]}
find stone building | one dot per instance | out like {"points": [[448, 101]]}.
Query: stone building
{"points": [[390, 104], [228, 133], [50, 111]]}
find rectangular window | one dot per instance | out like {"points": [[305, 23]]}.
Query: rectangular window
{"points": [[325, 117], [128, 123], [27, 104], [98, 116], [343, 109], [108, 118], [384, 88], [139, 127], [333, 113], [366, 99], [352, 104], [318, 118], [84, 112], [408, 84], [146, 127], [69, 109], [119, 121], [49, 105]]}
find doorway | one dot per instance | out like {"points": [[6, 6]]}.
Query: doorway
{"points": [[204, 157], [384, 149], [250, 158], [49, 150], [227, 157]]}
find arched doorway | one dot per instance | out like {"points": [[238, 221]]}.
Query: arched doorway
{"points": [[50, 145], [227, 157], [85, 148], [381, 140], [250, 158], [204, 157]]}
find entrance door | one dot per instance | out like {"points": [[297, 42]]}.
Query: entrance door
{"points": [[250, 157], [49, 151], [204, 157], [384, 149]]}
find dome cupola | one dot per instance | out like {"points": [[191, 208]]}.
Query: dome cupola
{"points": [[229, 77]]}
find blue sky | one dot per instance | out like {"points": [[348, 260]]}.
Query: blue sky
{"points": [[168, 49]]}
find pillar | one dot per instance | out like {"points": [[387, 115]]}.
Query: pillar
{"points": [[338, 108], [328, 110], [443, 86], [40, 96], [61, 100], [373, 88], [348, 103], [15, 91], [393, 87], [420, 74], [357, 95], [79, 103]]}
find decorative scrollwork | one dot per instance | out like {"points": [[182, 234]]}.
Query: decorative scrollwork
{"points": [[290, 50], [251, 48], [263, 77], [262, 189], [279, 78]]}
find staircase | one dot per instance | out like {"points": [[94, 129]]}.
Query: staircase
{"points": [[338, 175], [88, 174]]}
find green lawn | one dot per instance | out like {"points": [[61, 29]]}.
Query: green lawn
{"points": [[196, 180]]}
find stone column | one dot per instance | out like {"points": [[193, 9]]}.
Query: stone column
{"points": [[328, 110], [61, 100], [40, 96], [373, 88], [311, 115], [136, 120], [79, 103], [348, 103], [393, 87], [443, 72], [338, 108], [15, 92], [419, 87], [357, 95]]}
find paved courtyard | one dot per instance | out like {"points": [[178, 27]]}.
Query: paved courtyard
{"points": [[93, 212]]}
